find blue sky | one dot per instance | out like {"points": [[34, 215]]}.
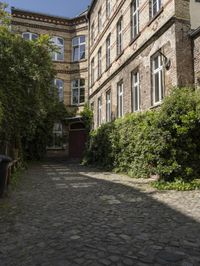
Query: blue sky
{"points": [[66, 8]]}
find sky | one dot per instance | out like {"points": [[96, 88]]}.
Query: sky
{"points": [[66, 8]]}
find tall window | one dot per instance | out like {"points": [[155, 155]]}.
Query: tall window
{"points": [[108, 50], [78, 47], [59, 43], [92, 71], [108, 106], [78, 91], [134, 18], [119, 36], [99, 63], [155, 6], [108, 8], [60, 88], [92, 33], [99, 21], [120, 100], [29, 36], [99, 111], [157, 72], [135, 91]]}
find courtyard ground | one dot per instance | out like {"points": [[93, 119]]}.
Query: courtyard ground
{"points": [[64, 214]]}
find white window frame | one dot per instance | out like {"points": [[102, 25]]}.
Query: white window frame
{"points": [[92, 72], [160, 72], [78, 46], [157, 4], [57, 132], [108, 106], [60, 89], [108, 8], [100, 25], [120, 99], [108, 51], [99, 111], [119, 36], [30, 34], [92, 34], [55, 55], [135, 79], [134, 18], [78, 88], [99, 62]]}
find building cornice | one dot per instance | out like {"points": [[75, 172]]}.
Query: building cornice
{"points": [[29, 15]]}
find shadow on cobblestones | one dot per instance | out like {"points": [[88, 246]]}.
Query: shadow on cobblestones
{"points": [[65, 214]]}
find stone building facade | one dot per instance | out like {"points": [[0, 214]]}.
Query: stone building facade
{"points": [[70, 62], [155, 54], [135, 51]]}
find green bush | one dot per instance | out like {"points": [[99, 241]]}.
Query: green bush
{"points": [[164, 142]]}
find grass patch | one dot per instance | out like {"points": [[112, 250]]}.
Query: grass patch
{"points": [[16, 176], [177, 185]]}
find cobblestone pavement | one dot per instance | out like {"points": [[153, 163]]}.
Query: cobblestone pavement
{"points": [[64, 214]]}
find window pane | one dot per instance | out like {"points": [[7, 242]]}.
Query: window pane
{"points": [[34, 37], [82, 51], [75, 54], [82, 39], [60, 54], [26, 36], [75, 96], [157, 87], [75, 41], [82, 82], [60, 41], [82, 95]]}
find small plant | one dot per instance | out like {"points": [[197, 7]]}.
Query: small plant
{"points": [[177, 185]]}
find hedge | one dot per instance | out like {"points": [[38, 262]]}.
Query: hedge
{"points": [[165, 141]]}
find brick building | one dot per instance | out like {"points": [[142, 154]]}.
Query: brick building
{"points": [[121, 55]]}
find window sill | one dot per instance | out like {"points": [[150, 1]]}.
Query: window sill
{"points": [[107, 68], [118, 56], [155, 16], [58, 61], [77, 105], [99, 77], [134, 39], [156, 105], [79, 61]]}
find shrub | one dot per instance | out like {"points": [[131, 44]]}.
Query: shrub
{"points": [[164, 142]]}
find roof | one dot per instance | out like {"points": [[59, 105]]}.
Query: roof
{"points": [[14, 9]]}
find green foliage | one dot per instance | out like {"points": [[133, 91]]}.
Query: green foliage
{"points": [[87, 116], [29, 100], [177, 185], [164, 142]]}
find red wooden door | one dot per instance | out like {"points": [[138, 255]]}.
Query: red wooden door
{"points": [[77, 139]]}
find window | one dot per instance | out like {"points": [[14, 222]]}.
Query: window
{"points": [[99, 21], [108, 50], [119, 37], [99, 111], [29, 36], [108, 8], [59, 43], [134, 18], [78, 46], [135, 91], [78, 91], [108, 106], [92, 71], [155, 6], [120, 103], [56, 141], [157, 78], [60, 88], [92, 33], [99, 63]]}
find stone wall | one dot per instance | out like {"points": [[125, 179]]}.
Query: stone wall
{"points": [[197, 59]]}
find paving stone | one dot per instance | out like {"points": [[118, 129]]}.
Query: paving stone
{"points": [[96, 219]]}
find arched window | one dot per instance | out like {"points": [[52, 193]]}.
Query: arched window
{"points": [[60, 87], [58, 55], [29, 36], [78, 91], [78, 47]]}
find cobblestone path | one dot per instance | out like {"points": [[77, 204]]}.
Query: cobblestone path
{"points": [[65, 214]]}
